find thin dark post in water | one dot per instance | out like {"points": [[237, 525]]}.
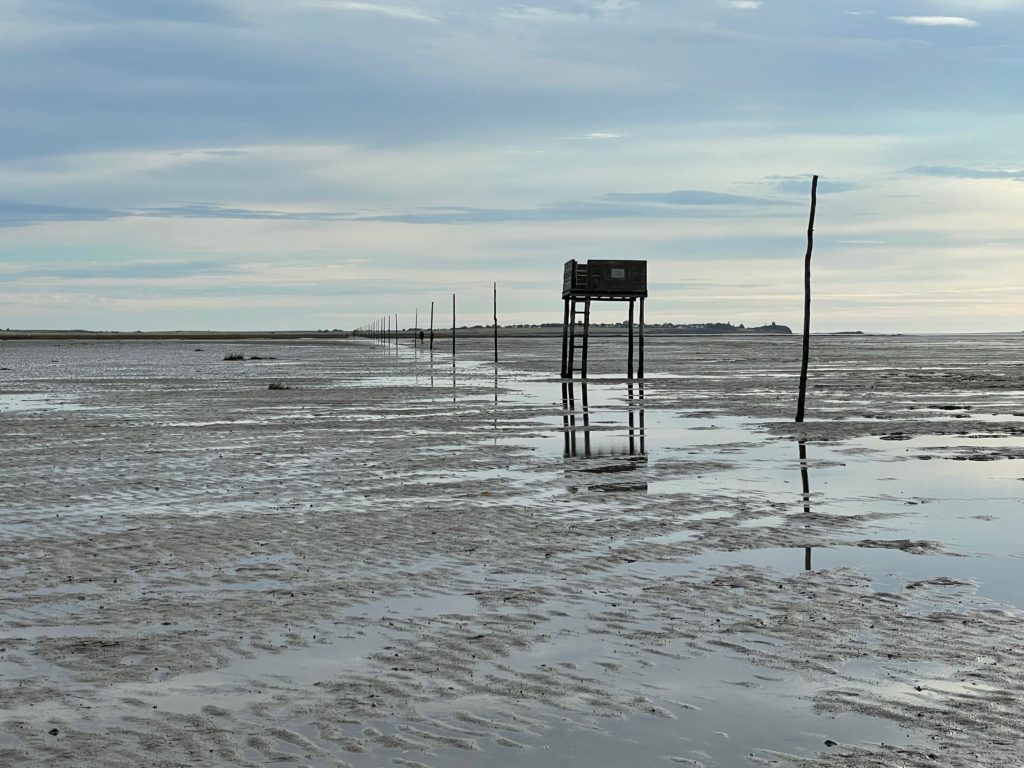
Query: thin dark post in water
{"points": [[586, 339], [453, 329], [632, 303], [396, 332], [586, 419], [387, 331], [431, 326], [807, 303], [416, 326], [805, 481], [640, 368], [565, 341], [495, 323]]}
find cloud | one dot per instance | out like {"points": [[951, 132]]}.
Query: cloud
{"points": [[692, 197], [122, 270], [15, 214], [745, 5], [955, 172], [394, 11], [936, 21], [615, 205], [801, 185]]}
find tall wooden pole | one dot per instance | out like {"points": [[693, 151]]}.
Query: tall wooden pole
{"points": [[801, 401], [416, 327], [453, 329], [495, 323], [431, 326]]}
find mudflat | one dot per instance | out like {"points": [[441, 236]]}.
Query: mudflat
{"points": [[394, 558]]}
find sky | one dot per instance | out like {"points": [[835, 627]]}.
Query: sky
{"points": [[305, 164]]}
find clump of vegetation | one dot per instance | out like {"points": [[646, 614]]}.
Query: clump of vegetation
{"points": [[234, 356], [278, 385]]}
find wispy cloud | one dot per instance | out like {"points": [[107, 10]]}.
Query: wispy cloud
{"points": [[801, 185], [394, 11], [956, 172], [936, 21], [745, 5]]}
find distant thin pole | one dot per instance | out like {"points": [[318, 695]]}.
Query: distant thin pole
{"points": [[431, 326], [416, 327], [807, 304], [396, 331], [495, 323], [453, 328]]}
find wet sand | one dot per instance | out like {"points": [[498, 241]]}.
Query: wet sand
{"points": [[396, 562]]}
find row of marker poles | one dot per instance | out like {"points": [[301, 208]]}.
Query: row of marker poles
{"points": [[383, 332]]}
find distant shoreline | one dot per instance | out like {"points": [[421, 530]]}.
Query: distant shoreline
{"points": [[709, 329], [439, 333]]}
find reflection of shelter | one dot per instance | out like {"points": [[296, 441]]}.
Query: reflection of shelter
{"points": [[600, 280], [628, 455]]}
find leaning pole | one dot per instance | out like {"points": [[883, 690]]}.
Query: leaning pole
{"points": [[802, 399]]}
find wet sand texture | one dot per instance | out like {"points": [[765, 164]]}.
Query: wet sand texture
{"points": [[374, 566]]}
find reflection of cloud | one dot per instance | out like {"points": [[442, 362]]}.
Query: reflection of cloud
{"points": [[956, 172], [935, 21]]}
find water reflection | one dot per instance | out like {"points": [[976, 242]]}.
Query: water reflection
{"points": [[805, 482], [587, 439]]}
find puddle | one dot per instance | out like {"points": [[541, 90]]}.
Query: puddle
{"points": [[13, 403]]}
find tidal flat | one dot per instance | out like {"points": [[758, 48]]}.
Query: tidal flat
{"points": [[401, 559]]}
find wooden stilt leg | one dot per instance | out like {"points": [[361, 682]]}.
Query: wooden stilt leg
{"points": [[640, 367], [572, 339], [565, 340], [632, 303], [586, 337]]}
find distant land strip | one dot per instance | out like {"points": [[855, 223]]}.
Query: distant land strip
{"points": [[509, 331]]}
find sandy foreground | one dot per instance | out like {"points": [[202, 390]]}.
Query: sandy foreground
{"points": [[394, 561]]}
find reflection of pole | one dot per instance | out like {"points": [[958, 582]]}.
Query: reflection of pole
{"points": [[572, 420], [565, 415], [643, 430], [586, 418], [807, 304], [632, 424], [805, 481]]}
